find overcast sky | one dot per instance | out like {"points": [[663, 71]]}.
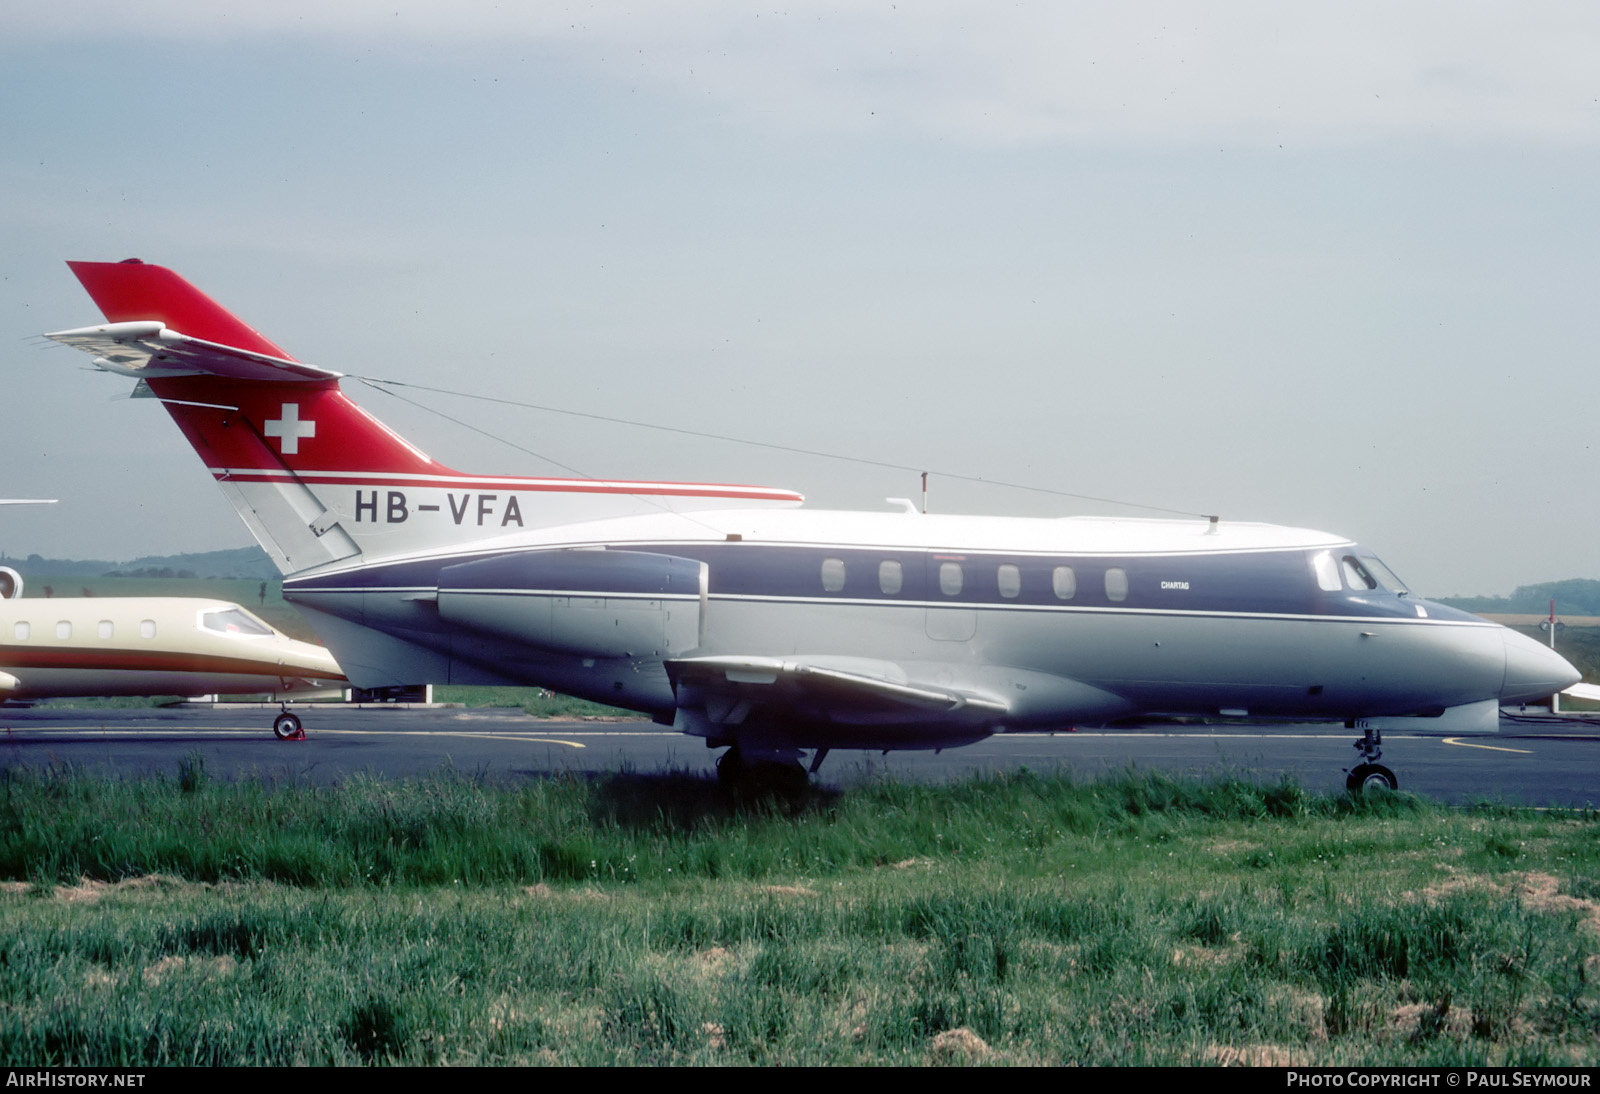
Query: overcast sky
{"points": [[1329, 265]]}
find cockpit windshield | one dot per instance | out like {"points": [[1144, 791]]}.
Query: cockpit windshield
{"points": [[233, 621], [1385, 576], [1358, 573], [1356, 576]]}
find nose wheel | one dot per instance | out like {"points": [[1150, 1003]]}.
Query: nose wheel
{"points": [[1369, 775], [287, 727]]}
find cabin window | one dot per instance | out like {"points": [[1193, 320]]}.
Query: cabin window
{"points": [[22, 630], [1010, 579], [147, 628], [891, 577], [1116, 583], [106, 628], [1064, 580], [832, 575], [1356, 576], [63, 629], [234, 621], [950, 578], [1327, 571]]}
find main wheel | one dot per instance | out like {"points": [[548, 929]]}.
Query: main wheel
{"points": [[730, 767], [1365, 778], [760, 778], [286, 726]]}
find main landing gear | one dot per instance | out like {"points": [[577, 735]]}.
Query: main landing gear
{"points": [[287, 727], [778, 773], [1369, 775]]}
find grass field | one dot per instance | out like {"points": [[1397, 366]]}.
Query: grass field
{"points": [[650, 919]]}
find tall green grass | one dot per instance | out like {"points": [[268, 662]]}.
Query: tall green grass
{"points": [[649, 919]]}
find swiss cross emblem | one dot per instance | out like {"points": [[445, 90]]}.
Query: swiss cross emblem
{"points": [[289, 429]]}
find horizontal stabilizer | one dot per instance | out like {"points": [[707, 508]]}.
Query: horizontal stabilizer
{"points": [[132, 290], [147, 349]]}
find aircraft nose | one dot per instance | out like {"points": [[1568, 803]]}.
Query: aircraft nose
{"points": [[1534, 670]]}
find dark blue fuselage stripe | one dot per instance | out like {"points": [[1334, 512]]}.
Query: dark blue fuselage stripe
{"points": [[1278, 583]]}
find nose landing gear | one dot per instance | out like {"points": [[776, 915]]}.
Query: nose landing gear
{"points": [[1369, 775], [287, 727]]}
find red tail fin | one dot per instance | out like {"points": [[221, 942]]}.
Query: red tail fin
{"points": [[315, 477]]}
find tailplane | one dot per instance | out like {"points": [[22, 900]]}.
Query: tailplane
{"points": [[318, 480], [132, 290]]}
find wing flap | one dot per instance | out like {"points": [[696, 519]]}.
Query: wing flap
{"points": [[148, 349], [837, 690]]}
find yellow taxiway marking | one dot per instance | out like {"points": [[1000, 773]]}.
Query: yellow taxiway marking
{"points": [[1491, 748]]}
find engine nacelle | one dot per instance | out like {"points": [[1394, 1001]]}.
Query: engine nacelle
{"points": [[10, 583], [628, 604]]}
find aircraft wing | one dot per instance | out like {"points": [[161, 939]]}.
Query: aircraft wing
{"points": [[148, 348], [838, 691], [1584, 691]]}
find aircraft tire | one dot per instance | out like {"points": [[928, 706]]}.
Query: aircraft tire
{"points": [[760, 779], [1365, 778], [286, 726], [730, 768]]}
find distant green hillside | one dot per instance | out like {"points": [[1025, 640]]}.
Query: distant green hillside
{"points": [[249, 563], [244, 575], [1574, 596]]}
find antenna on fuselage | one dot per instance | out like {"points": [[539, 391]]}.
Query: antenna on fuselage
{"points": [[924, 493], [1215, 520]]}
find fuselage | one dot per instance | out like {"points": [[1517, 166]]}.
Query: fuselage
{"points": [[100, 646], [1164, 616]]}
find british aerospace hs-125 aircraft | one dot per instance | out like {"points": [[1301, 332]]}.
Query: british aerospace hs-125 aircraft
{"points": [[741, 617]]}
